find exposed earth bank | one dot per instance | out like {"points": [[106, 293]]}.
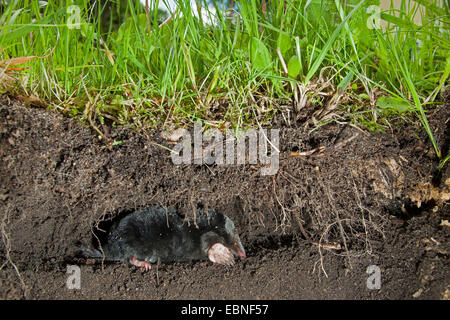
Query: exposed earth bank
{"points": [[343, 199]]}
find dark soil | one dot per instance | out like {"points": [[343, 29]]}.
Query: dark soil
{"points": [[310, 231]]}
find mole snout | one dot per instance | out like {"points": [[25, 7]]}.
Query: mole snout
{"points": [[160, 234]]}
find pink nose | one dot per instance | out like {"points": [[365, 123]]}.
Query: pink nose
{"points": [[241, 254], [238, 249]]}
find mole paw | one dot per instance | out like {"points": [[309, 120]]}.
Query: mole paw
{"points": [[220, 254], [141, 264]]}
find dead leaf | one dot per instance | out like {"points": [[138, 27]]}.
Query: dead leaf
{"points": [[18, 68], [307, 153], [18, 60], [446, 295], [445, 223], [426, 192], [109, 55], [173, 135], [418, 293], [330, 246], [33, 100]]}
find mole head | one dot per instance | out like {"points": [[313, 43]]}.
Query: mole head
{"points": [[228, 232]]}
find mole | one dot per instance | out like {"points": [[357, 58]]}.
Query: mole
{"points": [[157, 233]]}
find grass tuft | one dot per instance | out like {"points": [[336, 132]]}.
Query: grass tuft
{"points": [[144, 67]]}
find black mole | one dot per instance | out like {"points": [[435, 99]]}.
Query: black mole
{"points": [[155, 233]]}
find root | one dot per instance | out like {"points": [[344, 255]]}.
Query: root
{"points": [[194, 209], [7, 244], [97, 226], [88, 114], [284, 215], [338, 220], [299, 221]]}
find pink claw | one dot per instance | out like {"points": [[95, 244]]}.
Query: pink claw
{"points": [[141, 264], [220, 254]]}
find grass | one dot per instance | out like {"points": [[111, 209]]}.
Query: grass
{"points": [[117, 62]]}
